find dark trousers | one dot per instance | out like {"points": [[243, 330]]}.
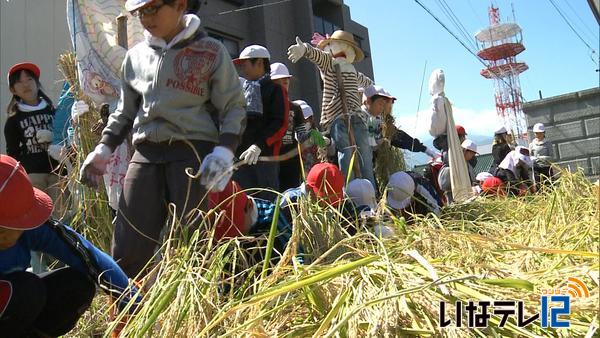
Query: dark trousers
{"points": [[289, 174], [43, 305], [264, 175], [144, 209]]}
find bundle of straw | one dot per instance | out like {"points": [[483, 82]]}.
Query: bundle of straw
{"points": [[389, 159], [362, 286], [92, 216]]}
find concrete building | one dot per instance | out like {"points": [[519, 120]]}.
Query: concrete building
{"points": [[36, 30], [572, 123], [276, 27]]}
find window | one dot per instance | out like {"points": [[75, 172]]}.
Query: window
{"points": [[230, 44], [324, 26]]}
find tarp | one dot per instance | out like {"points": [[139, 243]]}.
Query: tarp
{"points": [[93, 30]]}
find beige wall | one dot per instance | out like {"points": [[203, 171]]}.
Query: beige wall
{"points": [[36, 31]]}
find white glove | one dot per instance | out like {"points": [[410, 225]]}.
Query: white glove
{"points": [[44, 136], [57, 152], [216, 169], [297, 51], [77, 109], [251, 155], [431, 153], [94, 165], [327, 141]]}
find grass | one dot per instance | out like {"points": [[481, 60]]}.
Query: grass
{"points": [[354, 286]]}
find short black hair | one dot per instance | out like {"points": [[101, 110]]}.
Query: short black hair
{"points": [[266, 63]]}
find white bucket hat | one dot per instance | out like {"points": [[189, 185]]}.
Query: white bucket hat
{"points": [[469, 145], [401, 187], [132, 5], [539, 128], [279, 71], [500, 131], [362, 192], [253, 52], [306, 109]]}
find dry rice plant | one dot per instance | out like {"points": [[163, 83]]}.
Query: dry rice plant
{"points": [[363, 286]]}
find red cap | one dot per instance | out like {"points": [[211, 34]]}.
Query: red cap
{"points": [[460, 130], [327, 182], [22, 207], [232, 202], [493, 186], [25, 65]]}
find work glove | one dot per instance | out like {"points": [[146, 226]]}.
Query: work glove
{"points": [[77, 109], [251, 155], [297, 51], [57, 152], [95, 165], [216, 169], [44, 136], [431, 153]]}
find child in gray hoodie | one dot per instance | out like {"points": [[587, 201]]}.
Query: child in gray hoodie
{"points": [[182, 101]]}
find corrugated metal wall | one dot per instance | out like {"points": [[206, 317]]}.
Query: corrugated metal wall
{"points": [[36, 31]]}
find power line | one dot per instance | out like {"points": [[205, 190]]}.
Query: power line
{"points": [[574, 31], [470, 51], [593, 35], [456, 22], [244, 9]]}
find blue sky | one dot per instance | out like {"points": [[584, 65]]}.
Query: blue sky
{"points": [[403, 36]]}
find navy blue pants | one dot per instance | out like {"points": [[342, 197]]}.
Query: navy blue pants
{"points": [[43, 305]]}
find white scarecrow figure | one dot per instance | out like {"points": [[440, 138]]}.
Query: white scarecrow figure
{"points": [[442, 127], [340, 50]]}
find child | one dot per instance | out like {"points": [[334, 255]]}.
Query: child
{"points": [[514, 171], [500, 148], [28, 129], [181, 89], [541, 153], [267, 119], [245, 215], [409, 193], [296, 132], [52, 303], [469, 152]]}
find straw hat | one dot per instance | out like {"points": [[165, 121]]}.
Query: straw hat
{"points": [[344, 36]]}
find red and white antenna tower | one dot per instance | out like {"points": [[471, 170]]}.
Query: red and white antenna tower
{"points": [[501, 43]]}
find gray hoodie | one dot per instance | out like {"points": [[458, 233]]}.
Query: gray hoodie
{"points": [[187, 91]]}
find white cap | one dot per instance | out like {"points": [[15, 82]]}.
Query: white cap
{"points": [[500, 131], [306, 109], [482, 176], [373, 90], [469, 145], [539, 128], [253, 52], [362, 192], [279, 71], [132, 5], [520, 154], [401, 187]]}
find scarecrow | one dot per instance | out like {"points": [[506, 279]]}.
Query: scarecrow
{"points": [[342, 117], [446, 135]]}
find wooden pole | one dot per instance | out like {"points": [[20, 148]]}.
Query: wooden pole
{"points": [[122, 31]]}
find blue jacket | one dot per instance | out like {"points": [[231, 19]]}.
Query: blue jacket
{"points": [[71, 248]]}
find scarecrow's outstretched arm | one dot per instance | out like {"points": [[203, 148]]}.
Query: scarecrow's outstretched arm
{"points": [[318, 57]]}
